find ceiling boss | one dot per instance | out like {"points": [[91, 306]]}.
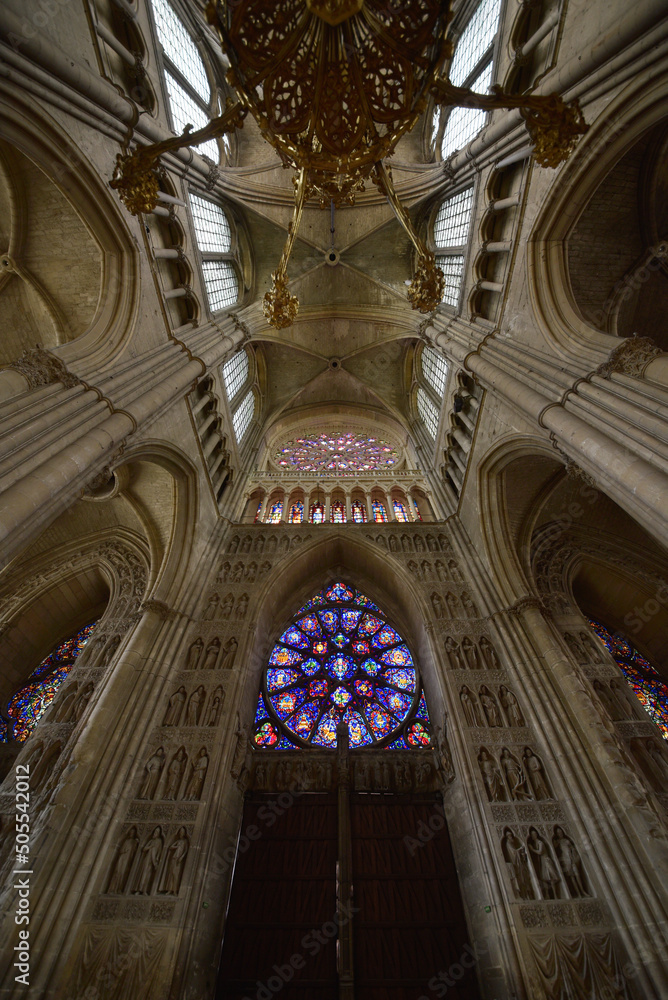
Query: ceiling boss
{"points": [[333, 85]]}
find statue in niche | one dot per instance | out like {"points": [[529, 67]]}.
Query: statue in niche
{"points": [[224, 573], [272, 544], [536, 774], [95, 650], [544, 866], [175, 707], [227, 605], [511, 707], [260, 776], [194, 654], [437, 605], [152, 771], [626, 700], [608, 701], [175, 773], [431, 543], [285, 544], [490, 707], [234, 545], [489, 654], [177, 852], [65, 707], [394, 545], [470, 651], [655, 749], [148, 866], [574, 647], [568, 858], [251, 572], [229, 653], [195, 783], [650, 762], [237, 573], [414, 569], [259, 545], [427, 573], [110, 650], [453, 605], [444, 543], [453, 651], [215, 707], [195, 705], [491, 776], [210, 610], [440, 571], [212, 651], [81, 702], [590, 649], [454, 571], [515, 856], [406, 544], [419, 544], [280, 771], [443, 755], [239, 759], [471, 707], [469, 606], [242, 606], [123, 862], [264, 568], [246, 544], [517, 782], [42, 764]]}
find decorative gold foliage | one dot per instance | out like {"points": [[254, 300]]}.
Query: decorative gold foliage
{"points": [[426, 289]]}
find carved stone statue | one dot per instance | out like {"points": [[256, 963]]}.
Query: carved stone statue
{"points": [[194, 654], [570, 863], [230, 651], [574, 647], [152, 771], [239, 759], [453, 650], [65, 707], [544, 866], [110, 650], [626, 699], [237, 573], [453, 605], [455, 572], [195, 783], [251, 572], [488, 702], [123, 862], [226, 609], [242, 606], [470, 651], [471, 707], [489, 654], [148, 866], [491, 776], [211, 657], [210, 610], [469, 606], [590, 649], [511, 707], [223, 573], [217, 699], [517, 782], [536, 774], [195, 705], [175, 773], [175, 707], [651, 763], [264, 568], [82, 700], [437, 605], [608, 701], [177, 852], [516, 858]]}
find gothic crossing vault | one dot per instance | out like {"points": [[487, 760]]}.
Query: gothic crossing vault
{"points": [[333, 479]]}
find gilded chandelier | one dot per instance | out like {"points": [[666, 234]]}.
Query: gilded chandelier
{"points": [[333, 85]]}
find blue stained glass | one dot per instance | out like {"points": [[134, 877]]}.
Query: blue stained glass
{"points": [[349, 620], [303, 721], [326, 732], [340, 667], [422, 712], [282, 657], [361, 648], [293, 637], [398, 744], [358, 731], [330, 619], [418, 735], [285, 744], [364, 602], [370, 625], [364, 688], [371, 667], [310, 625], [399, 657], [286, 702], [340, 640], [320, 647], [380, 722], [310, 667], [399, 704], [261, 711], [386, 637], [266, 736], [339, 592], [341, 697], [280, 677], [318, 689], [403, 678]]}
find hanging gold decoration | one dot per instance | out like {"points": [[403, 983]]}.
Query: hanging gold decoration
{"points": [[333, 86]]}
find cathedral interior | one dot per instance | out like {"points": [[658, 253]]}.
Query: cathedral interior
{"points": [[333, 494]]}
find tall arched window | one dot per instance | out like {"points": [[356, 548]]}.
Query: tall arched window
{"points": [[338, 512], [400, 510], [235, 374], [434, 370], [296, 515], [358, 511], [641, 676], [471, 67], [190, 99], [316, 514], [450, 236], [340, 660], [214, 240], [427, 411], [27, 706], [242, 416], [379, 511], [275, 512]]}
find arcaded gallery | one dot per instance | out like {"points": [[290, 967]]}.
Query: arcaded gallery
{"points": [[333, 496]]}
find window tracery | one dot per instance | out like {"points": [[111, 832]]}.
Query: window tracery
{"points": [[450, 235], [26, 707], [641, 676], [235, 374], [340, 660], [243, 415], [427, 412], [347, 451], [434, 369], [214, 240]]}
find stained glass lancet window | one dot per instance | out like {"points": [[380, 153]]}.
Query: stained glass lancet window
{"points": [[296, 515], [400, 510], [641, 676], [379, 511], [340, 660], [358, 511], [346, 451], [316, 514], [275, 512], [31, 701], [338, 512]]}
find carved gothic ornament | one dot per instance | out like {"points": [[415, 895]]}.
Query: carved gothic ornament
{"points": [[40, 367], [630, 358]]}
